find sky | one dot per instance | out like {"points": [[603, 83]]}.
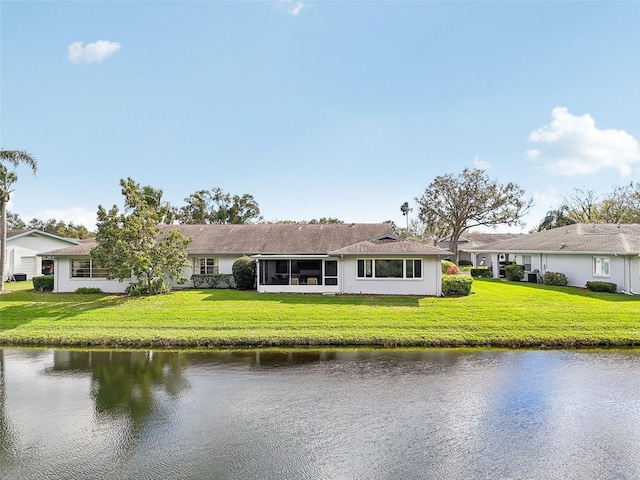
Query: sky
{"points": [[343, 109]]}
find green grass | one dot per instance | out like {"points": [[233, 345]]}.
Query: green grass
{"points": [[497, 314]]}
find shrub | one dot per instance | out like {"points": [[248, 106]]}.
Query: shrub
{"points": [[608, 287], [85, 290], [244, 273], [465, 263], [449, 268], [213, 280], [513, 272], [481, 273], [555, 278], [140, 288], [456, 285], [44, 283]]}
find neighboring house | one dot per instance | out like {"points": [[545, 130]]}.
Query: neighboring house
{"points": [[583, 252], [319, 258], [23, 248], [473, 240]]}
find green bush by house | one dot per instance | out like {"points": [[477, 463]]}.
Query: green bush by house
{"points": [[87, 290], [465, 263], [244, 273], [43, 284], [449, 268], [555, 278], [514, 273], [456, 285], [481, 273], [608, 287]]}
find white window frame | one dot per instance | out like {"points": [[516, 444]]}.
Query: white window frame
{"points": [[371, 274], [201, 263], [92, 268], [601, 266], [526, 263]]}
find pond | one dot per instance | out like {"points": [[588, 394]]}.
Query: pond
{"points": [[319, 414]]}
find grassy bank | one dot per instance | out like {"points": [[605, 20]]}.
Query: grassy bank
{"points": [[498, 314]]}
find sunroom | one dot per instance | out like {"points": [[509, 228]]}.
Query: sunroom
{"points": [[303, 273]]}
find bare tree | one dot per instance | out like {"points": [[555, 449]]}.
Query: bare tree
{"points": [[469, 200]]}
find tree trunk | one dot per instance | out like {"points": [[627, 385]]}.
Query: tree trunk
{"points": [[3, 240]]}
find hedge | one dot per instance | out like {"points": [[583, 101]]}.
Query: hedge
{"points": [[43, 284], [456, 285], [555, 278], [481, 273], [607, 287]]}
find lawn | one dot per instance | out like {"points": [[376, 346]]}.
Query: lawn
{"points": [[497, 314]]}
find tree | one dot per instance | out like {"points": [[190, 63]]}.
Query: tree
{"points": [[60, 228], [471, 199], [404, 208], [14, 222], [135, 242], [217, 207], [7, 179], [558, 217], [582, 206]]}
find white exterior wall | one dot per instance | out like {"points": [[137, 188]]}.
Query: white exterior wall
{"points": [[64, 283], [624, 271], [22, 253], [429, 285], [225, 266]]}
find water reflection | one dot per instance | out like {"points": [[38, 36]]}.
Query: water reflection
{"points": [[319, 414]]}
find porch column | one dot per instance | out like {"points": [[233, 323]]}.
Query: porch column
{"points": [[496, 265]]}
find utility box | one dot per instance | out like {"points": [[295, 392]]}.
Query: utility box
{"points": [[532, 277], [20, 277]]}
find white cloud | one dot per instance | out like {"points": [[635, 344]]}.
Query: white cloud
{"points": [[77, 215], [572, 145], [481, 164], [93, 52], [290, 7]]}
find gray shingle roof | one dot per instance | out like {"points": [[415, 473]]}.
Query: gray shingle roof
{"points": [[398, 247], [264, 238], [578, 238]]}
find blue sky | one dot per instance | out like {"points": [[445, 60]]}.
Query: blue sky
{"points": [[317, 109]]}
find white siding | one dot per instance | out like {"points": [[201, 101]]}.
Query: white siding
{"points": [[22, 253], [64, 283], [429, 284]]}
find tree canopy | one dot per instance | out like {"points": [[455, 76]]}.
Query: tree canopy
{"points": [[133, 241], [621, 205], [217, 207], [452, 204]]}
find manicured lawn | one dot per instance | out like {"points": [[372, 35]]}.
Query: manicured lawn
{"points": [[498, 314]]}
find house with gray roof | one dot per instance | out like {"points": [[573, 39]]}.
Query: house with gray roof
{"points": [[583, 252], [23, 250], [291, 258], [472, 240]]}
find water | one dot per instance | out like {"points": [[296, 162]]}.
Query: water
{"points": [[319, 414]]}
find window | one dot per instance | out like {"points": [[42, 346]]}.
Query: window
{"points": [[601, 267], [206, 265], [331, 272], [413, 268], [365, 268], [87, 268], [389, 268], [526, 261]]}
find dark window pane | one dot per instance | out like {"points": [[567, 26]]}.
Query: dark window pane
{"points": [[409, 269], [331, 281], [360, 268], [389, 268], [417, 268], [331, 268]]}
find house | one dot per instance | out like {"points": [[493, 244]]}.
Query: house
{"points": [[583, 252], [23, 248], [295, 258], [473, 240]]}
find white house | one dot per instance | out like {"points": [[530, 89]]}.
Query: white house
{"points": [[23, 248], [291, 258], [583, 252], [472, 240]]}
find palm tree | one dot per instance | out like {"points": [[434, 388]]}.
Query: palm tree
{"points": [[8, 178], [404, 208]]}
